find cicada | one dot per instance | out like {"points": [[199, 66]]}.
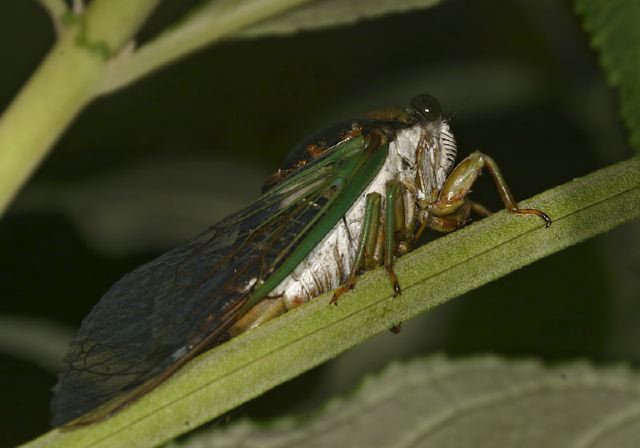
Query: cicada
{"points": [[348, 198]]}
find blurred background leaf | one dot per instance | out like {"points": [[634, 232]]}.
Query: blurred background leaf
{"points": [[481, 402], [319, 14], [143, 169]]}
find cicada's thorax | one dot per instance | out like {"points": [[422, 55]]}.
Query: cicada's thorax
{"points": [[420, 157]]}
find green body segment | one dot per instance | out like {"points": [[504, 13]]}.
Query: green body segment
{"points": [[360, 159]]}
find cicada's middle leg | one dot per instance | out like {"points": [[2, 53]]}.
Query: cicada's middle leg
{"points": [[399, 229], [382, 236], [395, 231]]}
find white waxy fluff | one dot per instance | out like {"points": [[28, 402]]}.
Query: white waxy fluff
{"points": [[330, 262]]}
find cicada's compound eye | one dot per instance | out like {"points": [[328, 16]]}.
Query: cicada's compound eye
{"points": [[427, 106]]}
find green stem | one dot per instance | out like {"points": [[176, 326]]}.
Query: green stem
{"points": [[202, 27], [56, 9], [66, 81], [277, 351]]}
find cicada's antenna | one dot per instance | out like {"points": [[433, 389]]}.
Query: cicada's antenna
{"points": [[458, 109]]}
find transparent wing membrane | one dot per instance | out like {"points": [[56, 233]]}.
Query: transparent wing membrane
{"points": [[170, 309]]}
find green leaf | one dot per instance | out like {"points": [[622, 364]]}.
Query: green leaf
{"points": [[319, 14], [615, 32], [482, 402], [283, 348], [223, 19]]}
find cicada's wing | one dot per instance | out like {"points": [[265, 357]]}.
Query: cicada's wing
{"points": [[166, 311]]}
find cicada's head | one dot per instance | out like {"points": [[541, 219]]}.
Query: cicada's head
{"points": [[426, 146]]}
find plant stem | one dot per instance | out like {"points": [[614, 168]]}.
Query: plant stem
{"points": [[283, 348], [202, 27], [66, 81], [56, 9]]}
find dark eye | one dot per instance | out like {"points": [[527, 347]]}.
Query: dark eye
{"points": [[427, 106]]}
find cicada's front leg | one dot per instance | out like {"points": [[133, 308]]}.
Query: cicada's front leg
{"points": [[451, 209], [452, 221]]}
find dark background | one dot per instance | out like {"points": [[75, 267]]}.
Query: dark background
{"points": [[147, 167]]}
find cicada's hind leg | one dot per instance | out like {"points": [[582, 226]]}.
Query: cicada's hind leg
{"points": [[451, 209], [366, 244], [262, 312]]}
